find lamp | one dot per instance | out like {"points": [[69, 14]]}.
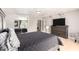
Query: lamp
{"points": [[47, 28]]}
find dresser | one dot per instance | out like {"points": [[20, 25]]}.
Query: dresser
{"points": [[61, 31]]}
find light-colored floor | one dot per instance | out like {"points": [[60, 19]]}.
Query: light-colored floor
{"points": [[69, 45]]}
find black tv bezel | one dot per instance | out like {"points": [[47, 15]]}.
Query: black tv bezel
{"points": [[57, 19]]}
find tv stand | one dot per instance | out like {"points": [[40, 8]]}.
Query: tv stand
{"points": [[61, 31]]}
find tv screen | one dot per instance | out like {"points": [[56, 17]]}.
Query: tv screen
{"points": [[59, 22]]}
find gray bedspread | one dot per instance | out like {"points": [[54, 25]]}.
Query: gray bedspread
{"points": [[37, 41]]}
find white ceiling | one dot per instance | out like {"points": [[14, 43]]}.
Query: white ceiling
{"points": [[32, 11]]}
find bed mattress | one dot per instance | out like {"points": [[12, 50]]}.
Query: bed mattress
{"points": [[37, 41]]}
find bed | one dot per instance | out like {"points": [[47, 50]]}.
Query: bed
{"points": [[38, 41]]}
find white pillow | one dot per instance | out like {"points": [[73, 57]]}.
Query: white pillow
{"points": [[2, 37]]}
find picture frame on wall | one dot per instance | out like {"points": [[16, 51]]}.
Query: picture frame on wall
{"points": [[15, 23]]}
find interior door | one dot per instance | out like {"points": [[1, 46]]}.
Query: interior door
{"points": [[39, 25]]}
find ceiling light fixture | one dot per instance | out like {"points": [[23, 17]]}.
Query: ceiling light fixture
{"points": [[38, 12], [22, 18]]}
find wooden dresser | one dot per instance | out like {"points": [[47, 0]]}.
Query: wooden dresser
{"points": [[61, 31]]}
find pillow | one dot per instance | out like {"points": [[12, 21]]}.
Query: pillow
{"points": [[3, 37], [2, 40], [4, 30]]}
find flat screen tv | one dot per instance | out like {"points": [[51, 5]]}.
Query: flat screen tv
{"points": [[59, 22]]}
